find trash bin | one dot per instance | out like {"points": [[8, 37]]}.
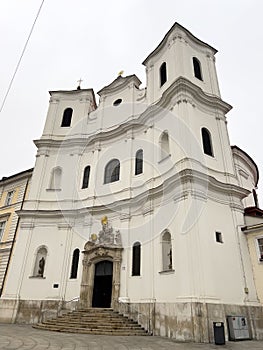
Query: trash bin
{"points": [[219, 333]]}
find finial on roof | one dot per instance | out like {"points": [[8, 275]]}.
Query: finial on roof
{"points": [[79, 81], [120, 73]]}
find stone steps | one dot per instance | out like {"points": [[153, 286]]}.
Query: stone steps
{"points": [[93, 321]]}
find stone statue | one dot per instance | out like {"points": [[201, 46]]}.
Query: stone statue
{"points": [[170, 254], [106, 235], [41, 266]]}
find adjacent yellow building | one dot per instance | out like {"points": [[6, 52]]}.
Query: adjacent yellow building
{"points": [[254, 234], [13, 191]]}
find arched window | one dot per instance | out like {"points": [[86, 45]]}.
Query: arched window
{"points": [[112, 171], [139, 162], [75, 264], [167, 257], [55, 180], [40, 262], [164, 144], [85, 182], [163, 74], [207, 143], [67, 115], [136, 259], [197, 68]]}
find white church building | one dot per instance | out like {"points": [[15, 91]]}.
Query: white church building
{"points": [[137, 203]]}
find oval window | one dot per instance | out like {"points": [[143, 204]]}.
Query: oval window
{"points": [[117, 102]]}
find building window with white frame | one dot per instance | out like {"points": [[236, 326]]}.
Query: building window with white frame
{"points": [[2, 229], [74, 264], [112, 171], [260, 248], [9, 197], [163, 74], [139, 162], [197, 68], [86, 176], [207, 142], [136, 259], [67, 116]]}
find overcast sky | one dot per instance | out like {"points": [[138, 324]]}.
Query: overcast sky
{"points": [[94, 40]]}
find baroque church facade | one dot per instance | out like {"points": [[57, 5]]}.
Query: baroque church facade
{"points": [[137, 203]]}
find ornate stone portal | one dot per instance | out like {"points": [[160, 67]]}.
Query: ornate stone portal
{"points": [[106, 246]]}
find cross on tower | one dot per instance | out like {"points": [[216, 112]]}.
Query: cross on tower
{"points": [[79, 81]]}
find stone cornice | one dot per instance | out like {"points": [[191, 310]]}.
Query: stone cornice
{"points": [[183, 87], [86, 94], [187, 182]]}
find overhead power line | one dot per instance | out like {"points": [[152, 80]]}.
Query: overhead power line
{"points": [[21, 56]]}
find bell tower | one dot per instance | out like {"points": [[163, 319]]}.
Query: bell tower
{"points": [[67, 111], [181, 54]]}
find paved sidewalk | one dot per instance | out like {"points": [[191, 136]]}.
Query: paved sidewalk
{"points": [[25, 337]]}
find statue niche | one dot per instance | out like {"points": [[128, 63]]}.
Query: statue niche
{"points": [[106, 246]]}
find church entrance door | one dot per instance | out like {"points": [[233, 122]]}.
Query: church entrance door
{"points": [[102, 288]]}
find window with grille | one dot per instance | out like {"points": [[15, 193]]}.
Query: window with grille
{"points": [[9, 197], [260, 248], [2, 229]]}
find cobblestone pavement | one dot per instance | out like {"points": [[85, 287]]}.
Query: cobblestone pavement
{"points": [[25, 337]]}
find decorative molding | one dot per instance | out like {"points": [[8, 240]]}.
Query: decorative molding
{"points": [[167, 272], [236, 206], [5, 216], [54, 100], [206, 185], [182, 195], [125, 217], [165, 158], [243, 173], [198, 194], [92, 116], [27, 225], [147, 209], [64, 226]]}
